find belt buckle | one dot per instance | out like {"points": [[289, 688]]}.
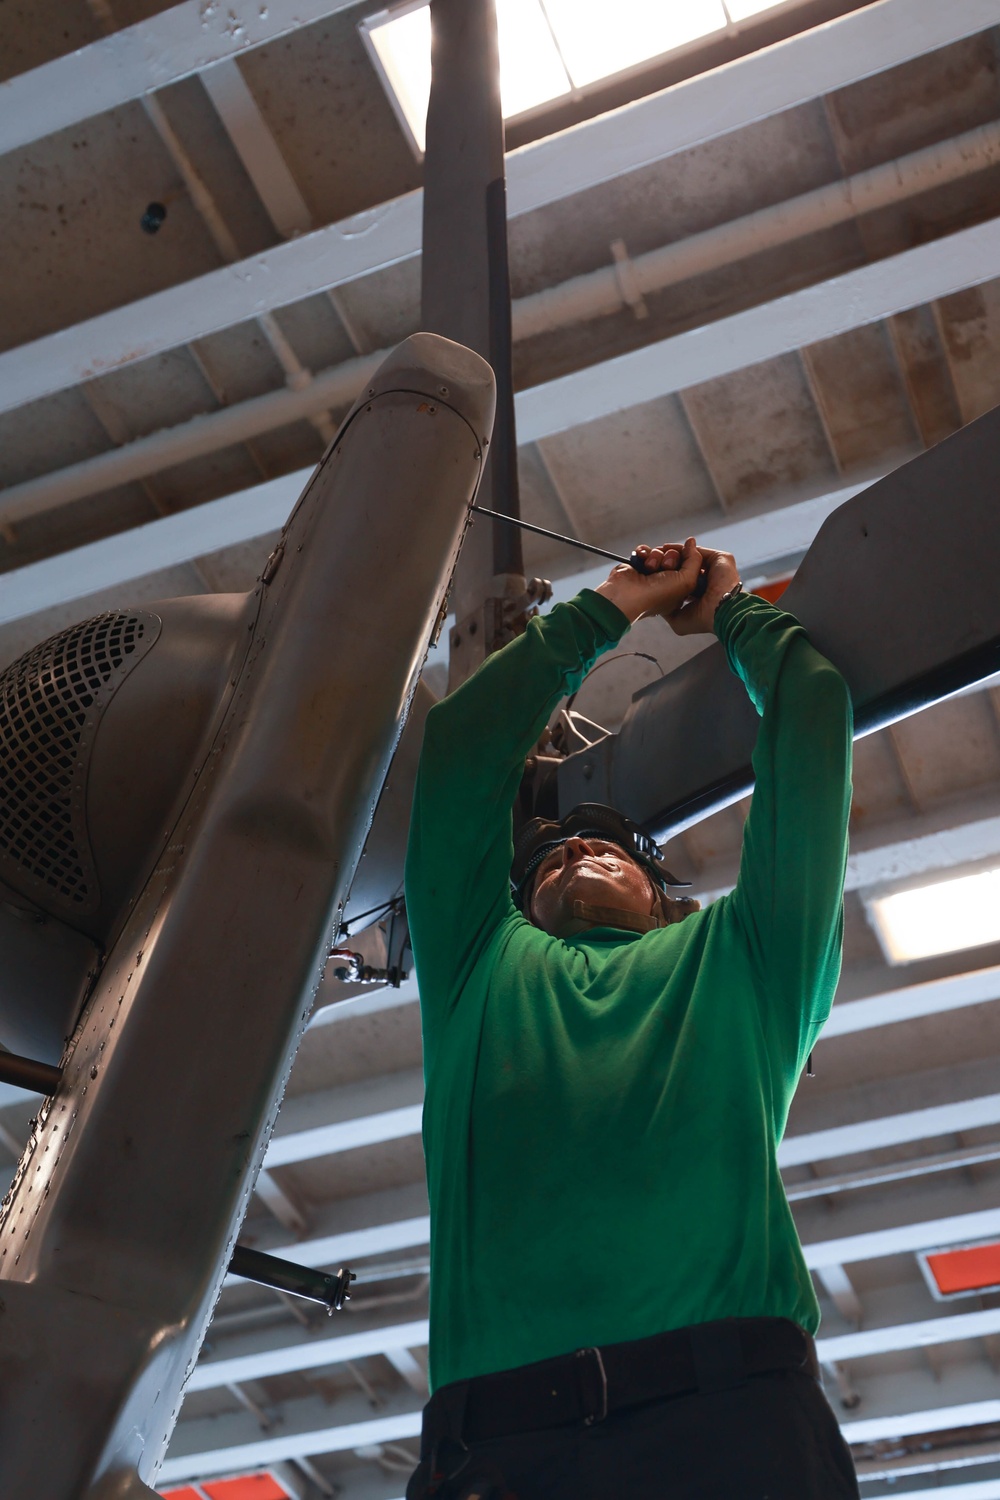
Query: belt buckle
{"points": [[594, 1416]]}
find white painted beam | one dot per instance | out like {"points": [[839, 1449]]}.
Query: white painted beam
{"points": [[139, 59], [922, 1335], [932, 997], [940, 841], [116, 561], [889, 1130], [305, 1429], [257, 149], [303, 1351], [119, 560], [308, 1353], [840, 1289], [353, 1229], [206, 1446], [976, 1489], [867, 41], [192, 37], [281, 1204], [392, 1233], [405, 1363], [790, 323], [345, 1246], [934, 1419], [380, 1109], [899, 1239], [960, 833]]}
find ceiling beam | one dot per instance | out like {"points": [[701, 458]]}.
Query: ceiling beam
{"points": [[976, 1489], [353, 1229], [380, 1109], [890, 1130], [214, 1445], [257, 148], [390, 1107], [371, 1235], [302, 1350], [929, 1331], [786, 325], [959, 833], [865, 42], [193, 37], [934, 1419], [246, 515], [307, 1352], [900, 1239], [204, 1446], [932, 997], [140, 59]]}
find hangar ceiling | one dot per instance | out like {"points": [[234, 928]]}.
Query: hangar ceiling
{"points": [[748, 278]]}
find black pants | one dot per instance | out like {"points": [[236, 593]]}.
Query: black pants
{"points": [[772, 1438]]}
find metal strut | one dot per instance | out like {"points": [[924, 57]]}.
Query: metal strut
{"points": [[299, 1281]]}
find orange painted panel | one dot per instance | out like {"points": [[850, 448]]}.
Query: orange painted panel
{"points": [[185, 1494], [772, 591], [966, 1270], [251, 1487]]}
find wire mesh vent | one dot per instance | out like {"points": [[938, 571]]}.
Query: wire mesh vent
{"points": [[50, 703]]}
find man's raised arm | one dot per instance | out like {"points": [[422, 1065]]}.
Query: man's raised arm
{"points": [[475, 744]]}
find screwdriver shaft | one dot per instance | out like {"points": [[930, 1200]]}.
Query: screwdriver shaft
{"points": [[571, 541]]}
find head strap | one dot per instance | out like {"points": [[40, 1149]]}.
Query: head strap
{"points": [[593, 820]]}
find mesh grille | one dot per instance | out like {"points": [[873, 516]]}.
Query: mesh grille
{"points": [[48, 701]]}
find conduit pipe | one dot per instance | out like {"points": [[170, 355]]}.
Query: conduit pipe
{"points": [[600, 293], [580, 299]]}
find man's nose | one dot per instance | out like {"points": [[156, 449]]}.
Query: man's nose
{"points": [[575, 849]]}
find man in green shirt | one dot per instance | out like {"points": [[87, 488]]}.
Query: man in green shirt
{"points": [[619, 1301]]}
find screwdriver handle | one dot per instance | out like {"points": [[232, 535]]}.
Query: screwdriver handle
{"points": [[638, 562]]}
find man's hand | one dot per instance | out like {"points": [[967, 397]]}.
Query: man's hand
{"points": [[671, 573], [696, 616]]}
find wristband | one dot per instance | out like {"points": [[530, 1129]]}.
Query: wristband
{"points": [[737, 588]]}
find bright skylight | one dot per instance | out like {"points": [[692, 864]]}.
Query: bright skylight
{"points": [[601, 37], [548, 48], [939, 918]]}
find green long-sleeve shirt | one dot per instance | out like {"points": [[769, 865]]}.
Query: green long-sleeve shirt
{"points": [[603, 1112]]}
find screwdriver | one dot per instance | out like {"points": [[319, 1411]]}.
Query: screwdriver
{"points": [[636, 560]]}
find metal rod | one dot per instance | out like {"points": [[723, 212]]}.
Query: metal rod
{"points": [[25, 1073], [571, 541], [285, 1276], [636, 561]]}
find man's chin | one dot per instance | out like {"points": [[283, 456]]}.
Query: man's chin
{"points": [[594, 890]]}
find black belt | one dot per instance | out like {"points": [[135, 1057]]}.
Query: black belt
{"points": [[585, 1387]]}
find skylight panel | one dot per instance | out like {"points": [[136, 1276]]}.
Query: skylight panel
{"points": [[601, 37], [548, 48], [531, 70], [401, 43], [739, 10], [941, 917]]}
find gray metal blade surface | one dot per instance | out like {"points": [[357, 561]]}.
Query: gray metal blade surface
{"points": [[899, 590]]}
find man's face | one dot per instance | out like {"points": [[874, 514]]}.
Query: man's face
{"points": [[593, 870]]}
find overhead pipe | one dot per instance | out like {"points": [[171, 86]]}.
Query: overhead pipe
{"points": [[599, 293], [605, 292]]}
